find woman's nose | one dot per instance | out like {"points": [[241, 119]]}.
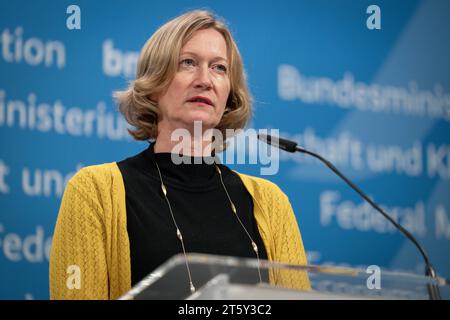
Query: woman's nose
{"points": [[203, 78]]}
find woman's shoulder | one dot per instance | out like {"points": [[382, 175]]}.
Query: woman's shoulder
{"points": [[261, 187], [97, 176]]}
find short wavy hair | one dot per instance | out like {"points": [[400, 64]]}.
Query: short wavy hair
{"points": [[157, 66]]}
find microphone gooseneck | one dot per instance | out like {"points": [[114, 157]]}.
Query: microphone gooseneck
{"points": [[292, 147]]}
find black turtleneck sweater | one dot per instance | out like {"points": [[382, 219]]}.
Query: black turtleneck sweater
{"points": [[200, 207]]}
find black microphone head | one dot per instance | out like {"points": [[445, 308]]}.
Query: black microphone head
{"points": [[278, 142]]}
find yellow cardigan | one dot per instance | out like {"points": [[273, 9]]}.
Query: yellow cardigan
{"points": [[91, 234]]}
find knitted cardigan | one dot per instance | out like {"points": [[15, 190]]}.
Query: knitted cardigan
{"points": [[91, 234]]}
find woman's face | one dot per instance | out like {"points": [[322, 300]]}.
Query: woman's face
{"points": [[200, 88]]}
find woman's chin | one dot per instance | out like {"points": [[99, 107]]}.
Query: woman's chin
{"points": [[205, 120]]}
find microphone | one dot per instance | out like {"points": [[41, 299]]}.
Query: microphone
{"points": [[291, 146]]}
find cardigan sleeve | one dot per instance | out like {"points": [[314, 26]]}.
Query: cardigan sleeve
{"points": [[287, 234], [78, 264], [288, 244], [280, 232]]}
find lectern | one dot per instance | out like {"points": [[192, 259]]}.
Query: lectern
{"points": [[225, 278]]}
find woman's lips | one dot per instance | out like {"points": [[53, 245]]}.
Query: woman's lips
{"points": [[200, 100]]}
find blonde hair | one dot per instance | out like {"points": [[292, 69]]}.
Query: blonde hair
{"points": [[157, 66]]}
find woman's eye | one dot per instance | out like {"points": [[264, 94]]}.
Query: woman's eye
{"points": [[187, 62], [220, 67]]}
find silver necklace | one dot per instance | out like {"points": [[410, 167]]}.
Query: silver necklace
{"points": [[180, 235]]}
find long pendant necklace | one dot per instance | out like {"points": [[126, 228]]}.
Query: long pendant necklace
{"points": [[180, 235]]}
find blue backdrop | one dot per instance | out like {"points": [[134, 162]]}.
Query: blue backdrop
{"points": [[376, 102]]}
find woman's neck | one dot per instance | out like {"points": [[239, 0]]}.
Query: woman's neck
{"points": [[187, 146]]}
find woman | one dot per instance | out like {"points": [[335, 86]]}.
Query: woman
{"points": [[119, 221]]}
